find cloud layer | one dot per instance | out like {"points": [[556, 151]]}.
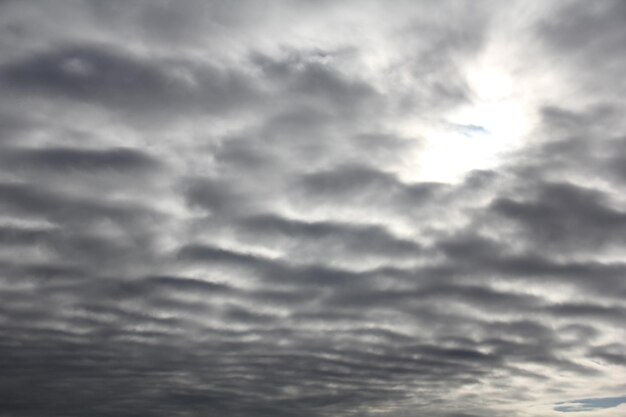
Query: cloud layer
{"points": [[296, 208]]}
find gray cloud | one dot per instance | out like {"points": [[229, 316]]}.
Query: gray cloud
{"points": [[217, 208], [72, 159], [116, 79], [564, 214]]}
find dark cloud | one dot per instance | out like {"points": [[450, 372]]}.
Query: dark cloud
{"points": [[571, 31], [577, 35], [363, 240], [352, 183], [73, 159], [565, 214], [315, 83], [26, 199], [118, 79]]}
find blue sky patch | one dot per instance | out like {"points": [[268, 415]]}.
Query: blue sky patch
{"points": [[589, 404]]}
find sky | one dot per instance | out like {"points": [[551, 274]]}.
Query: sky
{"points": [[280, 208]]}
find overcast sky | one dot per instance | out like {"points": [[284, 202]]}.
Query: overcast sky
{"points": [[360, 208]]}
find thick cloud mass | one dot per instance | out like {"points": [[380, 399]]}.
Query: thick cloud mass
{"points": [[295, 208]]}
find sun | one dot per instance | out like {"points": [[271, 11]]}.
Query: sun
{"points": [[476, 135]]}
